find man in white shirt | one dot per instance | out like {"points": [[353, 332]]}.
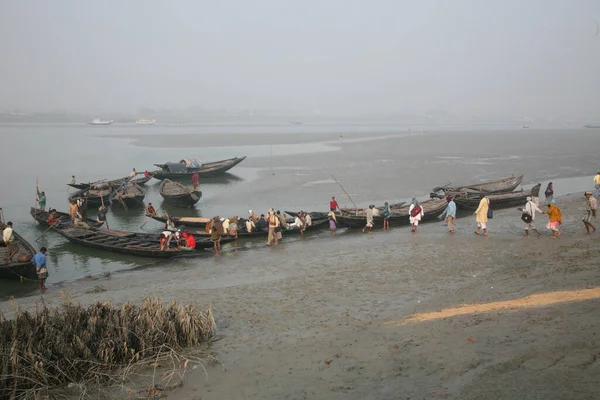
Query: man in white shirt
{"points": [[531, 208], [8, 237]]}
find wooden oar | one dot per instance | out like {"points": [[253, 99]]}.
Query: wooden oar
{"points": [[150, 217], [36, 200], [46, 231], [355, 206]]}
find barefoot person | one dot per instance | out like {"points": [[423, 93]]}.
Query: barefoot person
{"points": [[555, 219], [529, 210], [332, 223], [8, 237], [40, 267], [369, 219], [592, 207], [274, 228], [387, 214], [482, 215], [449, 214], [415, 212]]}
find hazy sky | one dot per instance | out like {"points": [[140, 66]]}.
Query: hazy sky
{"points": [[522, 57]]}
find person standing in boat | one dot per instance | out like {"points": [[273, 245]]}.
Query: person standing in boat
{"points": [[8, 237], [482, 214], [415, 212], [592, 207], [72, 180], [41, 200], [549, 193], [369, 214], [170, 225], [72, 210], [535, 194], [387, 214], [41, 267], [449, 214], [133, 173], [196, 180], [530, 209], [333, 205]]}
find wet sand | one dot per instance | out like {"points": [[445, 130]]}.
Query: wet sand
{"points": [[361, 328]]}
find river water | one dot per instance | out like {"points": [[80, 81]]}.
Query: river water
{"points": [[289, 167]]}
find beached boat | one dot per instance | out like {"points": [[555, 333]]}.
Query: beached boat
{"points": [[17, 269], [322, 214], [497, 201], [94, 196], [141, 179], [134, 195], [316, 225], [177, 194], [195, 222], [100, 121], [186, 168], [314, 215], [432, 208], [499, 186], [143, 121], [65, 220]]}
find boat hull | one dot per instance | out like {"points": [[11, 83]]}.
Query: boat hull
{"points": [[497, 201], [195, 222], [205, 170], [16, 270]]}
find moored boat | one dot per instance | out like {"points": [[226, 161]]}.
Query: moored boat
{"points": [[400, 216], [187, 167], [100, 121], [64, 219], [177, 194], [114, 183], [196, 222], [133, 195], [143, 121], [316, 225], [498, 186], [94, 196], [497, 200], [20, 266]]}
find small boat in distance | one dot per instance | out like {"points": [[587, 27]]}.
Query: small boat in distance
{"points": [[100, 121], [592, 126], [143, 121], [186, 168]]}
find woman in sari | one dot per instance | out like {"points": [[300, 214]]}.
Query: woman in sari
{"points": [[555, 217]]}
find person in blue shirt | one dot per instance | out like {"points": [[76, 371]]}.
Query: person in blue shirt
{"points": [[450, 214], [40, 267]]}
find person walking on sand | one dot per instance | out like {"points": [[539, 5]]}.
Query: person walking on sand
{"points": [[415, 212], [369, 219], [41, 268], [535, 194], [449, 214], [274, 227], [597, 183], [387, 214], [592, 207], [332, 223], [482, 214], [529, 216], [549, 193], [555, 219]]}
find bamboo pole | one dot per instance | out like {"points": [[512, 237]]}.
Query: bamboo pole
{"points": [[352, 201], [46, 231], [36, 199]]}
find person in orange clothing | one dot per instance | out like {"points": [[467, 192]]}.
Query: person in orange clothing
{"points": [[555, 219]]}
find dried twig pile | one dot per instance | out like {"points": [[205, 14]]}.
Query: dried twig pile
{"points": [[74, 344]]}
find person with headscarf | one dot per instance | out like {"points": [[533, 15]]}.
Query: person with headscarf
{"points": [[482, 214], [549, 193], [530, 209], [592, 206], [555, 219], [386, 216], [369, 214], [415, 213], [449, 214]]}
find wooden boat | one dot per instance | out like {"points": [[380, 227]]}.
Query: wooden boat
{"points": [[16, 270], [195, 222], [499, 186], [314, 215], [320, 214], [177, 194], [64, 218], [114, 183], [94, 196], [497, 201], [362, 211], [316, 225], [134, 195], [432, 208], [186, 168]]}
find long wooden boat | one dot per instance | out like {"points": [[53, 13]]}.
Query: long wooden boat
{"points": [[177, 194], [94, 196], [65, 220], [134, 195], [195, 222], [497, 201], [114, 183], [187, 168], [314, 215], [16, 269], [432, 208], [322, 214], [499, 186]]}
